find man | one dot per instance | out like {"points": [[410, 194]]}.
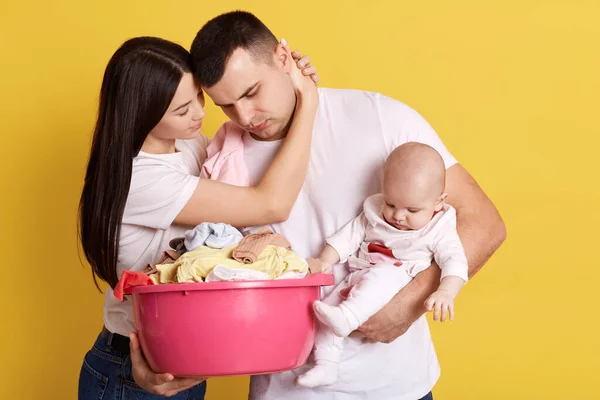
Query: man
{"points": [[244, 69]]}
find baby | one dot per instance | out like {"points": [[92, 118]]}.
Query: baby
{"points": [[398, 234]]}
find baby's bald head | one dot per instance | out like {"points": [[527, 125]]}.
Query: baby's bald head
{"points": [[417, 168]]}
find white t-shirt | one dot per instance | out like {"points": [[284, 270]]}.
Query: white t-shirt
{"points": [[354, 133], [161, 185]]}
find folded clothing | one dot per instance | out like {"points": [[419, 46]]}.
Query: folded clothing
{"points": [[253, 245], [223, 273], [212, 235], [194, 266], [263, 256]]}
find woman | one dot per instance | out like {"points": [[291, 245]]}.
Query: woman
{"points": [[142, 188]]}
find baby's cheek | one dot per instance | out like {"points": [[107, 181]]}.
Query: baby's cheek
{"points": [[386, 213], [421, 221]]}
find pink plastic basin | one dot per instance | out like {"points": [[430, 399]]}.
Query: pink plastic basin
{"points": [[228, 328]]}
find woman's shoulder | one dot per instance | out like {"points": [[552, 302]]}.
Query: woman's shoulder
{"points": [[195, 147], [162, 169], [190, 152]]}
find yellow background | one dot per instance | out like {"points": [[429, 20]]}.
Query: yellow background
{"points": [[512, 88]]}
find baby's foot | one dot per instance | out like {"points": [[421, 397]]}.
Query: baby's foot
{"points": [[320, 375], [341, 323]]}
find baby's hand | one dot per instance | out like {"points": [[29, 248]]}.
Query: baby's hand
{"points": [[441, 300], [316, 266]]}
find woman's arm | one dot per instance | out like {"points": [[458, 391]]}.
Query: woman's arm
{"points": [[272, 199]]}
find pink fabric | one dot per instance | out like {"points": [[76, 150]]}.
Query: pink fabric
{"points": [[225, 157]]}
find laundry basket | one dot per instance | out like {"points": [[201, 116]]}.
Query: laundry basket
{"points": [[227, 328]]}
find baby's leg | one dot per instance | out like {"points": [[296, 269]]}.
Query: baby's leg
{"points": [[375, 288], [327, 354], [328, 310], [328, 348]]}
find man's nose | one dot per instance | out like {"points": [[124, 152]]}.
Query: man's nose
{"points": [[244, 115]]}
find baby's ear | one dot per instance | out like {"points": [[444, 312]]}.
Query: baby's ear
{"points": [[440, 201]]}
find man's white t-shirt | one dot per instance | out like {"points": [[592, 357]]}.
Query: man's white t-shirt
{"points": [[161, 185], [354, 133]]}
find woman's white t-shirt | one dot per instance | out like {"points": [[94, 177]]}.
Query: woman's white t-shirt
{"points": [[161, 185]]}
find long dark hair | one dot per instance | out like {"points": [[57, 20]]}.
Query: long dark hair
{"points": [[139, 83]]}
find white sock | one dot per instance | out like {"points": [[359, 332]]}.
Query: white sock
{"points": [[341, 320], [324, 373]]}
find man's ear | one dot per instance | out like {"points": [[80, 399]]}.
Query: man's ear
{"points": [[440, 202], [282, 58]]}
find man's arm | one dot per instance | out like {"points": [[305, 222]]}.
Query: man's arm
{"points": [[481, 231]]}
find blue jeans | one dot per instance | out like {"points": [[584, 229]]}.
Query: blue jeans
{"points": [[106, 374], [428, 396]]}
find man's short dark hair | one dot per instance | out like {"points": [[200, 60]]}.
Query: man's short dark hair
{"points": [[221, 36]]}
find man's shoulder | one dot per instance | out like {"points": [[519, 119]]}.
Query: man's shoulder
{"points": [[349, 105], [350, 98], [337, 94]]}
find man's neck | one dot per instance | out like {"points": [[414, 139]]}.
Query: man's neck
{"points": [[273, 138]]}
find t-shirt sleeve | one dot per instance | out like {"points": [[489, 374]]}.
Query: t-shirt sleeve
{"points": [[197, 147], [157, 194], [401, 124]]}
